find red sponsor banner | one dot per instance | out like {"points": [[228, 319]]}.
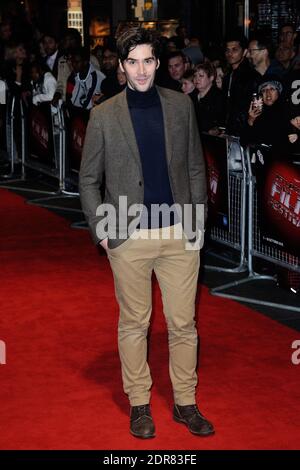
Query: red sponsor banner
{"points": [[215, 153], [77, 130], [40, 142], [281, 206]]}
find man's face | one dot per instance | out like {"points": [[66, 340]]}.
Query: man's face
{"points": [[284, 53], [78, 64], [70, 42], [176, 67], [140, 67], [269, 95], [287, 35], [50, 45], [234, 53], [110, 60], [255, 55]]}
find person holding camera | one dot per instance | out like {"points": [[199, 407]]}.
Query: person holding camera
{"points": [[264, 123]]}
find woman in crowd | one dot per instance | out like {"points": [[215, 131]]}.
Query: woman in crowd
{"points": [[265, 122], [43, 83], [210, 105]]}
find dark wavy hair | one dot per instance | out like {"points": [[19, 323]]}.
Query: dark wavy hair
{"points": [[137, 36]]}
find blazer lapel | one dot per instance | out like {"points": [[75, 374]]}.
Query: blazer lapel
{"points": [[168, 115], [125, 122]]}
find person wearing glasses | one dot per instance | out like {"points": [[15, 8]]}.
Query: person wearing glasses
{"points": [[266, 122], [259, 55], [289, 41]]}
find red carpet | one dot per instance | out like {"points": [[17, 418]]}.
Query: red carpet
{"points": [[61, 386]]}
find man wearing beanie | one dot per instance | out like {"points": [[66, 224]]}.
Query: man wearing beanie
{"points": [[146, 142]]}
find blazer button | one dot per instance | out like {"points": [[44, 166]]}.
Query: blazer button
{"points": [[140, 183]]}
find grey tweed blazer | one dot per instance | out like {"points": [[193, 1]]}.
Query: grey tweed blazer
{"points": [[110, 148]]}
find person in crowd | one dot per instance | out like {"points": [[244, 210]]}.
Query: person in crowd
{"points": [[130, 138], [220, 72], [43, 83], [289, 39], [98, 53], [6, 36], [259, 54], [284, 55], [16, 70], [187, 82], [110, 59], [177, 64], [52, 53], [182, 35], [84, 82], [71, 42], [265, 122], [172, 44], [294, 131], [210, 103], [110, 85], [109, 92], [287, 34], [238, 83]]}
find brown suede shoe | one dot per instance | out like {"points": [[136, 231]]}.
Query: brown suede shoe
{"points": [[141, 422], [193, 419]]}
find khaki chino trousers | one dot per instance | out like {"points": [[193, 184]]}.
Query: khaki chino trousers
{"points": [[176, 270]]}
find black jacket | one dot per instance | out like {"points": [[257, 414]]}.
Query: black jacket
{"points": [[269, 128], [210, 110], [238, 86]]}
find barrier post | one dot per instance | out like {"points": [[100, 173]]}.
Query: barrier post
{"points": [[235, 235]]}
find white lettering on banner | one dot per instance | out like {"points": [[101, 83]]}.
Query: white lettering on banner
{"points": [[295, 97], [285, 198]]}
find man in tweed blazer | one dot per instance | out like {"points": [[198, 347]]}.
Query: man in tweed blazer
{"points": [[146, 142]]}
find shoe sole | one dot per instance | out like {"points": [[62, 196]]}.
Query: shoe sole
{"points": [[139, 436], [202, 434]]}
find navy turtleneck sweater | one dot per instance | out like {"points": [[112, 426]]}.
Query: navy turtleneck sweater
{"points": [[147, 119]]}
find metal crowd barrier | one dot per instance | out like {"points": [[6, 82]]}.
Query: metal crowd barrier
{"points": [[55, 130], [234, 235], [16, 112], [258, 249], [11, 104]]}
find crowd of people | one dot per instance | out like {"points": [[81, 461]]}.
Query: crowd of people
{"points": [[246, 88]]}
